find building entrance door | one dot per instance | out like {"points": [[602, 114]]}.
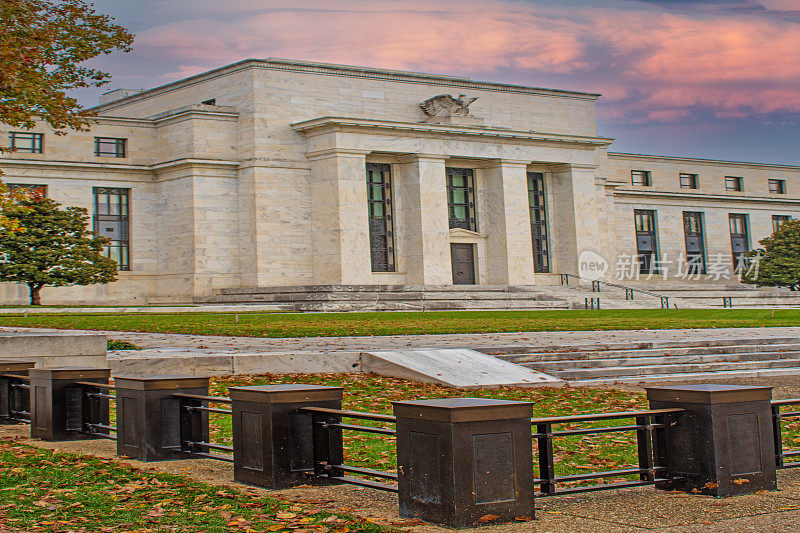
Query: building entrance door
{"points": [[462, 256]]}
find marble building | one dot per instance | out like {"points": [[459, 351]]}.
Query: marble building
{"points": [[274, 173]]}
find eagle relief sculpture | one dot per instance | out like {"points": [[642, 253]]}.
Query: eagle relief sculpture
{"points": [[444, 109]]}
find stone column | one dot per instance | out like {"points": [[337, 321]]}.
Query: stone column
{"points": [[424, 220], [340, 223], [509, 253], [577, 222]]}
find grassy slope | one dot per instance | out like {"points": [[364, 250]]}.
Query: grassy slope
{"points": [[45, 491], [411, 323]]}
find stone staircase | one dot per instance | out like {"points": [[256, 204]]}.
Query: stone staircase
{"points": [[696, 295], [391, 297], [741, 296], [659, 361], [700, 294]]}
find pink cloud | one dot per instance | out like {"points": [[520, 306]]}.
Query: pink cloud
{"points": [[651, 65]]}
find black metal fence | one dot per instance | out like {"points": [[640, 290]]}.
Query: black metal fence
{"points": [[778, 417], [15, 398], [651, 449], [327, 433], [457, 458], [90, 409], [193, 409]]}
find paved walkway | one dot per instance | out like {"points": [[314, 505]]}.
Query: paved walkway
{"points": [[616, 511], [208, 344]]}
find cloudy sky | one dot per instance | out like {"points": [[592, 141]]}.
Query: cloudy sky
{"points": [[713, 78]]}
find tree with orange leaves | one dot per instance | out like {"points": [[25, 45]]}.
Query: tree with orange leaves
{"points": [[44, 45]]}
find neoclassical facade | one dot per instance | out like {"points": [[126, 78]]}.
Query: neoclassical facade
{"points": [[270, 173]]}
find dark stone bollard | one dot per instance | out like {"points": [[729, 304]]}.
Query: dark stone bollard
{"points": [[149, 418], [723, 444], [12, 398], [57, 404], [274, 443], [460, 459]]}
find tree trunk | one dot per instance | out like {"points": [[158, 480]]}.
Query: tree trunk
{"points": [[35, 298]]}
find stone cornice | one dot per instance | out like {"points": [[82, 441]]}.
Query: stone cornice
{"points": [[698, 161], [345, 70], [339, 124], [195, 162], [465, 233], [412, 77], [704, 196], [226, 113], [86, 165], [336, 152]]}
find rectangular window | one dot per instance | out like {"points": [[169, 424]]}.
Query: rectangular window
{"points": [[640, 177], [461, 198], [688, 181], [33, 190], [109, 147], [777, 186], [26, 142], [538, 211], [733, 184], [645, 221], [112, 220], [381, 229], [777, 220], [695, 243], [740, 240]]}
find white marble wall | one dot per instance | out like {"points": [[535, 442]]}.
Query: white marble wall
{"points": [[263, 190]]}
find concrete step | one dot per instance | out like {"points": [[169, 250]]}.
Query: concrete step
{"points": [[389, 296], [380, 288], [655, 352], [643, 345], [441, 305], [392, 298], [644, 370], [683, 377], [571, 364]]}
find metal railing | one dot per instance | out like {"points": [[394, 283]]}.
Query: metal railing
{"points": [[649, 427], [629, 291], [94, 410], [194, 427], [777, 424], [16, 398], [329, 463]]}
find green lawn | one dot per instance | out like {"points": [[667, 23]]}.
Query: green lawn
{"points": [[45, 491], [574, 455], [409, 323]]}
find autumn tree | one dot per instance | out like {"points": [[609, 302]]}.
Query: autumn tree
{"points": [[7, 199], [44, 45], [53, 247], [777, 264]]}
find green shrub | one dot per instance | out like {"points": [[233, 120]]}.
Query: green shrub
{"points": [[121, 345]]}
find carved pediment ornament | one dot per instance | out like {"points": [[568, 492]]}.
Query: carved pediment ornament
{"points": [[445, 105]]}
